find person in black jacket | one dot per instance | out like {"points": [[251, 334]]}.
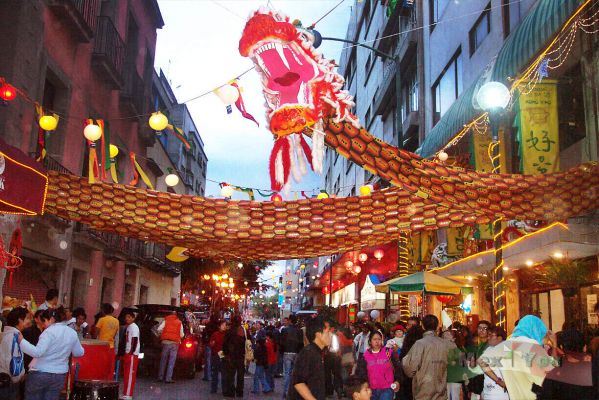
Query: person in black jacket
{"points": [[261, 359], [234, 361], [211, 327], [292, 341]]}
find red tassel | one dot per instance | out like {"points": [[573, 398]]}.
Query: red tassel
{"points": [[304, 194], [10, 278], [16, 243], [241, 106], [307, 150], [281, 145]]}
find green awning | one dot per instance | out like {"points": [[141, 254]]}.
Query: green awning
{"points": [[526, 41]]}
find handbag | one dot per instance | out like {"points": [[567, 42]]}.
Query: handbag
{"points": [[249, 350], [16, 362]]}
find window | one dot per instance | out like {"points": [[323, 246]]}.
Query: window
{"points": [[348, 166], [410, 94], [368, 68], [367, 118], [505, 17], [350, 73], [367, 16], [480, 30], [436, 8], [448, 87]]}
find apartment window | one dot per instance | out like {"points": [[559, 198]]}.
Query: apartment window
{"points": [[348, 166], [448, 86], [368, 68], [367, 16], [480, 30], [367, 118], [410, 95], [436, 8], [350, 73]]}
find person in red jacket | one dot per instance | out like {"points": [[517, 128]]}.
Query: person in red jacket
{"points": [[271, 355], [171, 333], [216, 342]]}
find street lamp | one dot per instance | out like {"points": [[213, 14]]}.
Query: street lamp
{"points": [[493, 97]]}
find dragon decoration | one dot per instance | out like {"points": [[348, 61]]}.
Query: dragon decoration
{"points": [[304, 97]]}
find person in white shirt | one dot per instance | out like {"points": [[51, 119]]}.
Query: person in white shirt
{"points": [[494, 387], [50, 364], [12, 362], [131, 356]]}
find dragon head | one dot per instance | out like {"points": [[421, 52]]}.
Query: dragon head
{"points": [[300, 86]]}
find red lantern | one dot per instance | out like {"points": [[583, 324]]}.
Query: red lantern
{"points": [[363, 257], [378, 254], [276, 197], [349, 264], [444, 298], [7, 92]]}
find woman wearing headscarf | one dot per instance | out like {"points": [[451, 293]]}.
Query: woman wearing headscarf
{"points": [[524, 360], [380, 367]]}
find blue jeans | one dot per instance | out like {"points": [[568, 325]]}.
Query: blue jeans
{"points": [[216, 365], [288, 363], [207, 363], [382, 394], [43, 385], [260, 379], [167, 361], [270, 375]]}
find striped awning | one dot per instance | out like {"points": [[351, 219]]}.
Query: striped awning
{"points": [[527, 40]]}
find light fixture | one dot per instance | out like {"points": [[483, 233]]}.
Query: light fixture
{"points": [[158, 121], [529, 263], [92, 132], [225, 276], [366, 190], [363, 257], [113, 151], [493, 96], [276, 197], [48, 122], [442, 156], [206, 277], [378, 254], [7, 92], [322, 195], [228, 94], [506, 268], [245, 283], [349, 264], [227, 191], [357, 269], [558, 255], [469, 278]]}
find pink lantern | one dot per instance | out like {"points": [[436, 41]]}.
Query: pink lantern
{"points": [[363, 257], [378, 254]]}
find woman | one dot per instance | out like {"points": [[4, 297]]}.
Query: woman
{"points": [[215, 342], [525, 361], [454, 367], [50, 364], [412, 335], [381, 367], [12, 368], [272, 358], [233, 362], [261, 359]]}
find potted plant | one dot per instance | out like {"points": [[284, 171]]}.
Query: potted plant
{"points": [[567, 274]]}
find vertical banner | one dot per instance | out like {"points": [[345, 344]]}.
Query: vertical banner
{"points": [[455, 241], [538, 129], [479, 148]]}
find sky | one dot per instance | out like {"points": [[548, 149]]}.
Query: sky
{"points": [[198, 51]]}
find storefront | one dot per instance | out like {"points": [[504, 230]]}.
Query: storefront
{"points": [[344, 300], [370, 299]]}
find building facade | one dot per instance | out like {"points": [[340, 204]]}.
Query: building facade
{"points": [[85, 59]]}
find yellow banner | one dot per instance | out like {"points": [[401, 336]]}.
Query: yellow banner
{"points": [[423, 244], [539, 129], [455, 241], [480, 152]]}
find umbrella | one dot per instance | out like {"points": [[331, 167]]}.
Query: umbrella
{"points": [[421, 282]]}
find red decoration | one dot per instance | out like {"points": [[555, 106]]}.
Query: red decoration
{"points": [[378, 254], [349, 264], [276, 197], [357, 269], [444, 298], [7, 92], [363, 257]]}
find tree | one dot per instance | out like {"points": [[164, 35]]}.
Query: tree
{"points": [[266, 308]]}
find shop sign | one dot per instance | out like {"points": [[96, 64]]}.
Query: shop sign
{"points": [[371, 299], [592, 316], [344, 296]]}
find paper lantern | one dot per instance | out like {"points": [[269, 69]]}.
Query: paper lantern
{"points": [[48, 122], [443, 156], [113, 151], [171, 180], [357, 269], [225, 276], [349, 264], [8, 92], [365, 190], [378, 254], [276, 197], [228, 94], [158, 121], [227, 191], [92, 132], [361, 315], [206, 277], [240, 265], [444, 298], [363, 257], [374, 314], [322, 195]]}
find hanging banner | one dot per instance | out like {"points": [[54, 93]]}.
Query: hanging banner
{"points": [[479, 148], [538, 129], [421, 250], [455, 241]]}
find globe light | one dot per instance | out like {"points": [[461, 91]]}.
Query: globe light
{"points": [[493, 96], [48, 122], [363, 257], [349, 264], [240, 265], [171, 180], [158, 121], [366, 190], [92, 132], [227, 191], [228, 94], [443, 156], [113, 151]]}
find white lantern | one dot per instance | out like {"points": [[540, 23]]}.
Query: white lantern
{"points": [[92, 132], [228, 94], [361, 315], [493, 96], [374, 314], [443, 156], [227, 191], [171, 180]]}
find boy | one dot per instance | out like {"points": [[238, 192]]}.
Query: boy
{"points": [[130, 358], [358, 389]]}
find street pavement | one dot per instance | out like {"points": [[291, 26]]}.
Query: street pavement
{"points": [[183, 389]]}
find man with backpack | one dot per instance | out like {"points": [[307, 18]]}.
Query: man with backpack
{"points": [[292, 341], [12, 365]]}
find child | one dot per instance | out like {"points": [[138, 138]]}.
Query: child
{"points": [[397, 339], [130, 358], [358, 389], [261, 358]]}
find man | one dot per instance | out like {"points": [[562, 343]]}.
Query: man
{"points": [[308, 380], [494, 387], [361, 341], [233, 362], [412, 321], [107, 329], [130, 358], [211, 327], [475, 384], [171, 333], [51, 300], [11, 356], [426, 363], [292, 341], [32, 334]]}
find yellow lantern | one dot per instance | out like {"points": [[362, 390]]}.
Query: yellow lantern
{"points": [[171, 180], [48, 122], [322, 195], [158, 121], [114, 151], [92, 132], [365, 190]]}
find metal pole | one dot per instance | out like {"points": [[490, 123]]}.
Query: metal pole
{"points": [[331, 284], [398, 97]]}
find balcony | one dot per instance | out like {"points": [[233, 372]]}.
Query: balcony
{"points": [[78, 15], [52, 165], [109, 53], [132, 93]]}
